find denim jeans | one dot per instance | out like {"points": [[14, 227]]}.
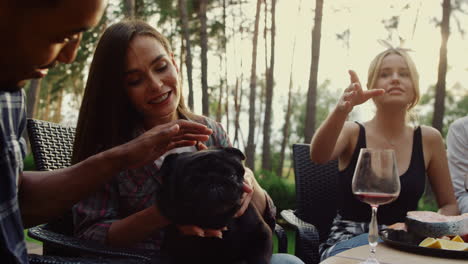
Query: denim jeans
{"points": [[281, 258], [354, 242]]}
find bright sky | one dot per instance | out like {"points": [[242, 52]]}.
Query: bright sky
{"points": [[363, 19]]}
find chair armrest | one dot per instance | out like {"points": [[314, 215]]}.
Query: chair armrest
{"points": [[282, 239], [307, 238], [39, 259], [81, 247]]}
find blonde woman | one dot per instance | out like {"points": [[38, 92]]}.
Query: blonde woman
{"points": [[393, 85]]}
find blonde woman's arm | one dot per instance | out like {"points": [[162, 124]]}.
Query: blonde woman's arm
{"points": [[438, 172], [332, 137]]}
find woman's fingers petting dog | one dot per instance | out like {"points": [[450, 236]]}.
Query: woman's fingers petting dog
{"points": [[246, 197], [201, 146], [213, 233], [193, 230]]}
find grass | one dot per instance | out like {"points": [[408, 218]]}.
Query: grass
{"points": [[291, 241], [28, 239]]}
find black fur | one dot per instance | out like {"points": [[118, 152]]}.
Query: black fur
{"points": [[204, 188]]}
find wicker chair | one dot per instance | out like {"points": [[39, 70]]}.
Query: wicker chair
{"points": [[52, 146], [316, 203], [38, 259]]}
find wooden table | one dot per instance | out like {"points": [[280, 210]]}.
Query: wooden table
{"points": [[388, 255]]}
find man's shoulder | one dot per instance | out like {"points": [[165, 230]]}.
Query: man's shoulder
{"points": [[12, 108], [460, 124], [12, 100]]}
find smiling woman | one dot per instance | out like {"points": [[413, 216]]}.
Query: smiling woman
{"points": [[152, 81], [133, 86]]}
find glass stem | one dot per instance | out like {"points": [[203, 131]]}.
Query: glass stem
{"points": [[373, 232]]}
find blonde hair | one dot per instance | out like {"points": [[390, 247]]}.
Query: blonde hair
{"points": [[376, 63]]}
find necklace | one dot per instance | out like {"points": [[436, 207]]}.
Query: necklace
{"points": [[390, 142]]}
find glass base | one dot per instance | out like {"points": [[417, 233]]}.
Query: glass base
{"points": [[370, 261]]}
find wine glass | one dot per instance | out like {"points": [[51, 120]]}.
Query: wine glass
{"points": [[375, 182]]}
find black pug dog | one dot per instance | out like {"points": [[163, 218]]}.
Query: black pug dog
{"points": [[204, 188]]}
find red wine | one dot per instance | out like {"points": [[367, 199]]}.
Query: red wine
{"points": [[376, 198]]}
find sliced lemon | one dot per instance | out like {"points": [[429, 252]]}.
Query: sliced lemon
{"points": [[458, 239], [429, 242], [453, 245]]}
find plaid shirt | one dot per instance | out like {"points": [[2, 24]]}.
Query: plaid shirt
{"points": [[343, 230], [130, 192], [13, 151]]}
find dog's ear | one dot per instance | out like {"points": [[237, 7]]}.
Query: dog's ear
{"points": [[235, 151]]}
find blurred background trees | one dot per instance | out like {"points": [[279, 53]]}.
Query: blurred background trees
{"points": [[237, 69]]}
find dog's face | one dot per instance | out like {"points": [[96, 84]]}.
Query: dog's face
{"points": [[202, 188]]}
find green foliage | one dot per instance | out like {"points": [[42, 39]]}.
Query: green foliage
{"points": [[281, 191], [28, 239], [456, 106], [291, 241], [29, 163], [326, 100], [165, 8], [427, 203]]}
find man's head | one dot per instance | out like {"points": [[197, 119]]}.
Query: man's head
{"points": [[202, 188], [39, 34]]}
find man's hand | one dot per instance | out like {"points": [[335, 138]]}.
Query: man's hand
{"points": [[160, 139]]}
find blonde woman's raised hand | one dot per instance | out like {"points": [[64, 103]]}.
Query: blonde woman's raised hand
{"points": [[355, 95]]}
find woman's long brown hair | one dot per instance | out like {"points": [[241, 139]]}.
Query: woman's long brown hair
{"points": [[107, 118]]}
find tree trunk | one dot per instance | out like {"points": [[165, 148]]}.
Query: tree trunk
{"points": [[57, 118], [226, 105], [46, 113], [204, 57], [219, 107], [181, 58], [439, 104], [266, 154], [188, 49], [250, 149], [286, 127], [129, 8], [312, 93], [287, 121], [33, 97], [237, 111]]}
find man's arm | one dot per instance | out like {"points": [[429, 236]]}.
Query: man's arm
{"points": [[457, 154], [44, 195]]}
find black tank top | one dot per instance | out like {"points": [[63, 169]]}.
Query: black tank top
{"points": [[412, 187]]}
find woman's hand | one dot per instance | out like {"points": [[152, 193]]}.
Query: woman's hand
{"points": [[355, 95], [193, 230], [398, 226], [248, 193], [160, 139], [200, 146]]}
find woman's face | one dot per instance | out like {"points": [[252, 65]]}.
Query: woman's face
{"points": [[395, 78], [152, 81]]}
